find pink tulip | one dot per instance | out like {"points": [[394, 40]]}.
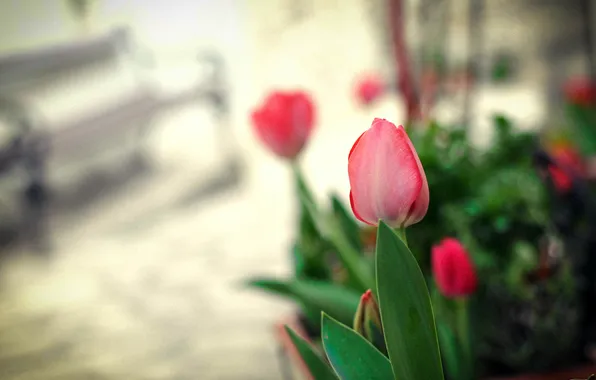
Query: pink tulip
{"points": [[387, 180], [580, 91], [369, 88], [284, 122], [453, 270], [568, 158]]}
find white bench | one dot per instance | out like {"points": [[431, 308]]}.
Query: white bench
{"points": [[65, 106]]}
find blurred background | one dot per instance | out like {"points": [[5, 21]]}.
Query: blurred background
{"points": [[134, 196]]}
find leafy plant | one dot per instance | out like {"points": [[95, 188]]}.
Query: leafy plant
{"points": [[489, 198], [493, 202], [328, 242], [410, 333], [581, 116]]}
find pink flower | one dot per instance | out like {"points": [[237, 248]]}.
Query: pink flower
{"points": [[566, 157], [580, 91], [453, 270], [387, 180], [369, 88], [284, 122]]}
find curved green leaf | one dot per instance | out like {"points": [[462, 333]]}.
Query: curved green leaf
{"points": [[347, 223], [351, 356], [406, 311], [316, 365], [449, 350], [351, 258], [337, 301]]}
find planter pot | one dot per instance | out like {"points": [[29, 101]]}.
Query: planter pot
{"points": [[576, 373], [294, 368]]}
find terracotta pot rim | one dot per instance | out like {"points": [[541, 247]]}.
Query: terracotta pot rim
{"points": [[284, 339]]}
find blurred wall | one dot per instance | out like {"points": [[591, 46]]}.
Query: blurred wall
{"points": [[30, 23], [320, 45], [170, 33]]}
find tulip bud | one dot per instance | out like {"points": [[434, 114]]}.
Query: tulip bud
{"points": [[387, 180], [569, 162], [453, 270], [367, 321], [284, 122], [369, 88]]}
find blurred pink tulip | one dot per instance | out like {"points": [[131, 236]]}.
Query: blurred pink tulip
{"points": [[453, 270], [387, 180], [284, 122], [369, 89], [580, 91], [570, 159]]}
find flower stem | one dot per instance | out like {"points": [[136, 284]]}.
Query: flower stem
{"points": [[301, 185], [402, 59], [463, 332], [349, 256]]}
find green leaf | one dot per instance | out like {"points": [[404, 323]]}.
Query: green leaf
{"points": [[449, 350], [312, 316], [583, 120], [354, 262], [503, 125], [298, 261], [501, 69], [309, 263], [406, 311], [301, 185], [337, 301], [347, 223], [316, 365], [351, 356], [351, 259]]}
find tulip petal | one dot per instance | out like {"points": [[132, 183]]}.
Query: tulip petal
{"points": [[356, 214], [355, 143], [384, 175], [443, 270], [420, 206]]}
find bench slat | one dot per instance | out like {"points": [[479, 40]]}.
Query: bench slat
{"points": [[22, 67], [104, 124]]}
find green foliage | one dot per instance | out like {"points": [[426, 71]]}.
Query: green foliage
{"points": [[80, 8], [310, 248], [406, 311], [493, 201], [583, 122], [347, 223], [408, 323], [315, 363], [532, 327], [501, 68], [332, 228], [367, 322], [351, 356], [328, 242], [490, 199], [450, 350], [337, 301]]}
